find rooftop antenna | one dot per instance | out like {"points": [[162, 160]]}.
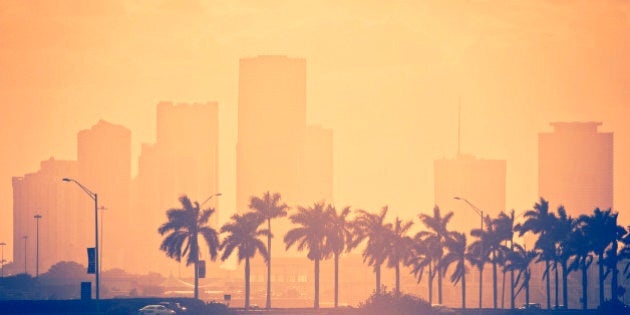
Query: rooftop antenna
{"points": [[459, 127]]}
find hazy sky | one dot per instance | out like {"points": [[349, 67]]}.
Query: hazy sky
{"points": [[386, 76]]}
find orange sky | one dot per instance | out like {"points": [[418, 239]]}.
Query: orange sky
{"points": [[386, 76]]}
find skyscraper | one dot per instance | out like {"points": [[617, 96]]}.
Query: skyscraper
{"points": [[104, 161], [276, 150], [575, 167], [183, 161], [64, 229]]}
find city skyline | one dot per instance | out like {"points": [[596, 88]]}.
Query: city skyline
{"points": [[393, 128]]}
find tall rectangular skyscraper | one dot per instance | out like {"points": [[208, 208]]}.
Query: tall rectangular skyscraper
{"points": [[64, 228], [271, 126], [104, 162], [183, 161], [276, 150], [575, 167]]}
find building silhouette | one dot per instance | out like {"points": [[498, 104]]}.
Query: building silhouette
{"points": [[276, 150], [481, 182], [575, 167], [64, 229], [184, 160], [104, 164]]}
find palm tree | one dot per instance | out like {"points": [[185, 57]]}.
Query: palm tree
{"points": [[398, 247], [372, 227], [579, 244], [243, 235], [497, 231], [269, 207], [340, 236], [424, 253], [456, 245], [438, 232], [520, 260], [539, 221], [185, 225], [504, 224], [310, 234], [560, 234], [479, 251], [602, 229]]}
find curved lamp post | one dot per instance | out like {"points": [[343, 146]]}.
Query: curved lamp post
{"points": [[480, 213], [94, 196]]}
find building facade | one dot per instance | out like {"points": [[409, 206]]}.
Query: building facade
{"points": [[575, 167]]}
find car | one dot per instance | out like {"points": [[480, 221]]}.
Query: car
{"points": [[155, 310], [531, 306], [175, 306]]}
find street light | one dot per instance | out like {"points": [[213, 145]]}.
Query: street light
{"points": [[37, 217], [96, 264], [480, 213], [2, 259], [208, 199], [25, 238]]}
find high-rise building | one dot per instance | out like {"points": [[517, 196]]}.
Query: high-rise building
{"points": [[64, 228], [104, 162], [480, 181], [183, 161], [276, 151], [575, 167]]}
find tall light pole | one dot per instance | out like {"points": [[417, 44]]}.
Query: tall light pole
{"points": [[197, 258], [37, 217], [96, 264], [480, 213], [25, 238], [2, 259], [100, 262]]}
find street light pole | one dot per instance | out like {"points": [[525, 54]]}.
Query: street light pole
{"points": [[2, 259], [25, 238], [37, 217], [100, 262], [480, 213], [197, 258], [96, 264], [208, 199]]}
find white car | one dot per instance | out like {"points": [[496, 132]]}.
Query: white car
{"points": [[155, 310]]}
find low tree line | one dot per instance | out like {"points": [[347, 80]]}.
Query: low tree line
{"points": [[563, 243]]}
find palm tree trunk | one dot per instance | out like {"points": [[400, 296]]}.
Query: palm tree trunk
{"points": [[196, 279], [512, 297], [601, 278], [397, 279], [439, 274], [430, 284], [584, 286], [565, 293], [481, 287], [336, 280], [464, 287], [316, 305], [548, 285], [555, 266], [494, 282], [503, 290], [615, 272], [527, 293], [268, 304], [246, 282], [377, 269]]}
